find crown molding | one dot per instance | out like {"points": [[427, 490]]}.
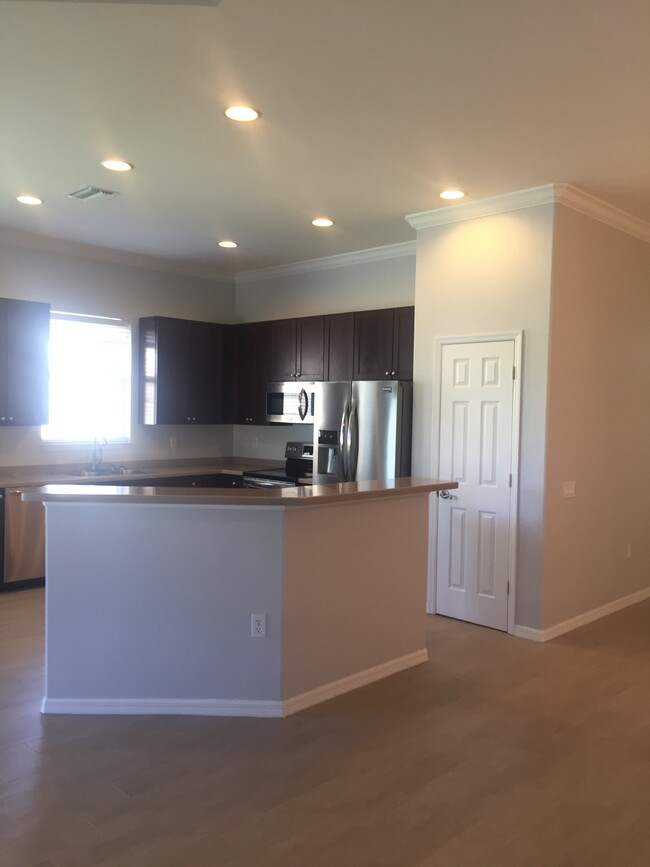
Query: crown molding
{"points": [[483, 207], [591, 206], [550, 194], [343, 260], [48, 244]]}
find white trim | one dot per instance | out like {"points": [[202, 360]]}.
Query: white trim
{"points": [[343, 260], [471, 210], [176, 706], [529, 633], [229, 707], [517, 338], [582, 619], [354, 681], [550, 194], [578, 200]]}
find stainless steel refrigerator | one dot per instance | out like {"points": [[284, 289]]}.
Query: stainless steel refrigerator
{"points": [[362, 431]]}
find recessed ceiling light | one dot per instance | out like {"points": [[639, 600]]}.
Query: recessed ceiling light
{"points": [[229, 245], [452, 194], [322, 222], [29, 200], [117, 165], [242, 113]]}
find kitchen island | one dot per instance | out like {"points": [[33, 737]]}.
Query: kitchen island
{"points": [[230, 602]]}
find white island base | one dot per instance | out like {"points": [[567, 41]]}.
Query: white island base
{"points": [[149, 602]]}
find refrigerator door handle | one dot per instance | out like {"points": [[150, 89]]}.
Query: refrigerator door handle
{"points": [[343, 439], [352, 444]]}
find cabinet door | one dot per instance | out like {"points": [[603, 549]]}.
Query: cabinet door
{"points": [[26, 363], [282, 350], [310, 338], [249, 366], [339, 346], [373, 344], [205, 403], [403, 328], [172, 342]]}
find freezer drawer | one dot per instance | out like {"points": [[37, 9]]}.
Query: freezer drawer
{"points": [[24, 538]]}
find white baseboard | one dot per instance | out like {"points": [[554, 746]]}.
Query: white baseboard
{"points": [[177, 706], [227, 707], [529, 633], [353, 681], [581, 619]]}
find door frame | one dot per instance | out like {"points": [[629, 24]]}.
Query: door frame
{"points": [[517, 337]]}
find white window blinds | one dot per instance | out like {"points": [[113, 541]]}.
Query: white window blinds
{"points": [[90, 379]]}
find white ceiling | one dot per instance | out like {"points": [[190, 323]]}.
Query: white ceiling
{"points": [[369, 109]]}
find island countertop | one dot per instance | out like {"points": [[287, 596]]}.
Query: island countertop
{"points": [[285, 497]]}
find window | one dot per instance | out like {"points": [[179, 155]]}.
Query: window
{"points": [[90, 379]]}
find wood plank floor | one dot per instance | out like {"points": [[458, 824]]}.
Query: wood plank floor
{"points": [[498, 751]]}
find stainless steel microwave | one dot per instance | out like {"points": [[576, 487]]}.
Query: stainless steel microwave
{"points": [[290, 402]]}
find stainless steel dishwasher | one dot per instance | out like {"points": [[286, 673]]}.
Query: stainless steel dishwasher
{"points": [[24, 538]]}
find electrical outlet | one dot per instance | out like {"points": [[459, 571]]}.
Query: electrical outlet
{"points": [[173, 442], [628, 551], [254, 442], [568, 489], [258, 625]]}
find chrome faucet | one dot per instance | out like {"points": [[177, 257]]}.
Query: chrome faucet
{"points": [[96, 461]]}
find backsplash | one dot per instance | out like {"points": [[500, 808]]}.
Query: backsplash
{"points": [[251, 441]]}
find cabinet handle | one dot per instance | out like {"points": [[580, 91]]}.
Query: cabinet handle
{"points": [[2, 418], [392, 373], [11, 418], [388, 373]]}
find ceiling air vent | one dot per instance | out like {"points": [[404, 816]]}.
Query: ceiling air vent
{"points": [[85, 193]]}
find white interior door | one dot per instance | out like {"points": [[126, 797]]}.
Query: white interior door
{"points": [[476, 414]]}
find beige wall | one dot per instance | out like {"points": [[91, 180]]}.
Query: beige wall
{"points": [[486, 276], [598, 418], [354, 588], [83, 285], [387, 283]]}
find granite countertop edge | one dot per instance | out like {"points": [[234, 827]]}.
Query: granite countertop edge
{"points": [[249, 497]]}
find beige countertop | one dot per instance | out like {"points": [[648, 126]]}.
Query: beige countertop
{"points": [[13, 477], [287, 497]]}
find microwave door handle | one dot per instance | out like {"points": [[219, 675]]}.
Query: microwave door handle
{"points": [[342, 467], [353, 443]]}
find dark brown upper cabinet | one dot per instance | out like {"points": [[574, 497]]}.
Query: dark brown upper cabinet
{"points": [[339, 346], [24, 338], [247, 372], [296, 349], [383, 344], [181, 371]]}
